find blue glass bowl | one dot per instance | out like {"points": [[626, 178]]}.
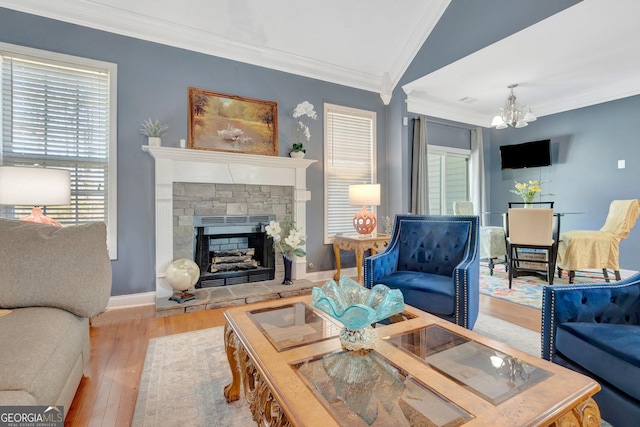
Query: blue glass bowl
{"points": [[355, 306]]}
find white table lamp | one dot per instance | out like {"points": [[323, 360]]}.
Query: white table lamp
{"points": [[364, 195], [34, 186]]}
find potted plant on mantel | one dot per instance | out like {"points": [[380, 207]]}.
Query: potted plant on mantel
{"points": [[154, 131], [302, 109]]}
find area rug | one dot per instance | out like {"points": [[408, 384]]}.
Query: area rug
{"points": [[527, 290], [182, 383], [184, 376]]}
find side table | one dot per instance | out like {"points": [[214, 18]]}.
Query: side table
{"points": [[359, 244]]}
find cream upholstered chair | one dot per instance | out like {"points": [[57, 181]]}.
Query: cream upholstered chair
{"points": [[493, 243], [530, 228], [598, 249]]}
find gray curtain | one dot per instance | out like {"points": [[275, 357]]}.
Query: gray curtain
{"points": [[477, 187], [419, 175]]}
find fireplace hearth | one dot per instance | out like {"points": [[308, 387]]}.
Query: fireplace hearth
{"points": [[232, 249]]}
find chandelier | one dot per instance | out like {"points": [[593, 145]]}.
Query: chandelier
{"points": [[511, 115]]}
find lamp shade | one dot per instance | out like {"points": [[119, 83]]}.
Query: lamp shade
{"points": [[364, 194], [34, 186]]}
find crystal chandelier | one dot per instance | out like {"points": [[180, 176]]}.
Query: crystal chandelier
{"points": [[511, 115]]}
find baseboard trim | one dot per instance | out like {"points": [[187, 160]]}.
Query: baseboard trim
{"points": [[132, 300]]}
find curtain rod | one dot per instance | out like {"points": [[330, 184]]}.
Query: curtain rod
{"points": [[445, 124]]}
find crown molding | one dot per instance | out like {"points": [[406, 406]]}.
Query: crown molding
{"points": [[611, 92], [100, 17], [417, 39]]}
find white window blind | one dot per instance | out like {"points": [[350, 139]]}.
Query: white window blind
{"points": [[59, 114], [350, 136]]}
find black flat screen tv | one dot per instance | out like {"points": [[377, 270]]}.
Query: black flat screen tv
{"points": [[526, 155]]}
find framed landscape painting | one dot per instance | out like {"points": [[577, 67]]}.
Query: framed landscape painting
{"points": [[232, 123]]}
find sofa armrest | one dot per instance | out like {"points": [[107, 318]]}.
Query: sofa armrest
{"points": [[466, 278], [617, 302], [48, 266], [381, 264]]}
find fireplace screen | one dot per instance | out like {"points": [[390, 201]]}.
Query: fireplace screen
{"points": [[233, 249]]}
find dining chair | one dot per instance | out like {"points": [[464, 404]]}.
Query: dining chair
{"points": [[530, 229], [598, 249], [493, 239]]}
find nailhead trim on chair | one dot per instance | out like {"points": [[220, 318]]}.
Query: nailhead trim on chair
{"points": [[551, 330]]}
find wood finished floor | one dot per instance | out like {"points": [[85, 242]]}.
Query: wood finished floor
{"points": [[119, 338]]}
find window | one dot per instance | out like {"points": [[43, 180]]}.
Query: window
{"points": [[350, 140], [448, 178], [60, 111]]}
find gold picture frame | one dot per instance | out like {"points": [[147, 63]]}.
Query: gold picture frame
{"points": [[221, 122]]}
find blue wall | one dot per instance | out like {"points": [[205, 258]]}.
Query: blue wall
{"points": [[466, 26], [152, 82], [586, 145]]}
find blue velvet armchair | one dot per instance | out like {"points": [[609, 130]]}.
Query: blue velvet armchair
{"points": [[435, 262], [594, 329]]}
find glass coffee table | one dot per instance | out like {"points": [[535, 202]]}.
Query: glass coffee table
{"points": [[286, 358]]}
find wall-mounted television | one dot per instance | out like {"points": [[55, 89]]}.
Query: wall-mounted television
{"points": [[526, 155]]}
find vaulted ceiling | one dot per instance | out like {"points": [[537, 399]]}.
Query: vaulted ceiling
{"points": [[586, 54], [366, 44]]}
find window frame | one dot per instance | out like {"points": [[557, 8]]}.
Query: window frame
{"points": [[361, 113], [112, 70], [441, 150]]}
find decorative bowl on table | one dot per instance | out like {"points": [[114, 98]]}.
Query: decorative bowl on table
{"points": [[357, 308]]}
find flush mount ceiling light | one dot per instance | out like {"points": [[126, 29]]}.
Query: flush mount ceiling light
{"points": [[511, 115]]}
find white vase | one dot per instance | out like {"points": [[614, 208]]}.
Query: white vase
{"points": [[155, 141], [297, 154]]}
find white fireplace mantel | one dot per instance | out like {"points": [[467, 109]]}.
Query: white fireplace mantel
{"points": [[217, 167]]}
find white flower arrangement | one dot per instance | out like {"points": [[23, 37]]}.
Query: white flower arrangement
{"points": [[153, 129], [303, 109], [293, 239]]}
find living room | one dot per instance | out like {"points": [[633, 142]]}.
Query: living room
{"points": [[153, 79]]}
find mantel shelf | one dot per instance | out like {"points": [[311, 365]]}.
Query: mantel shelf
{"points": [[192, 155]]}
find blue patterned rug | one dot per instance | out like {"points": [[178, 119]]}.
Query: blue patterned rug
{"points": [[527, 290]]}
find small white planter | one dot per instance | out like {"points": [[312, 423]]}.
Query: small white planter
{"points": [[154, 141], [297, 154]]}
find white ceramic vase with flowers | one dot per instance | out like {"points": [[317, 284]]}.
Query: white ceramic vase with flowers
{"points": [[289, 242], [303, 109], [154, 131]]}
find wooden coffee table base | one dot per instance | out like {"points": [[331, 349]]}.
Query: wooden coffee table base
{"points": [[264, 407], [585, 414]]}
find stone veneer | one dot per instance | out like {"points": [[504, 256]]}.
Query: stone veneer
{"points": [[203, 199], [200, 199]]}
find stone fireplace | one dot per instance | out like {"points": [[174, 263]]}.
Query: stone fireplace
{"points": [[192, 183]]}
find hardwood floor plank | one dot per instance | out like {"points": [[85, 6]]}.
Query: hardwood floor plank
{"points": [[119, 340], [527, 317]]}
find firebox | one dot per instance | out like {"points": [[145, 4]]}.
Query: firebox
{"points": [[233, 249]]}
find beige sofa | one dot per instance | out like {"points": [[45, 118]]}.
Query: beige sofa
{"points": [[52, 280]]}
